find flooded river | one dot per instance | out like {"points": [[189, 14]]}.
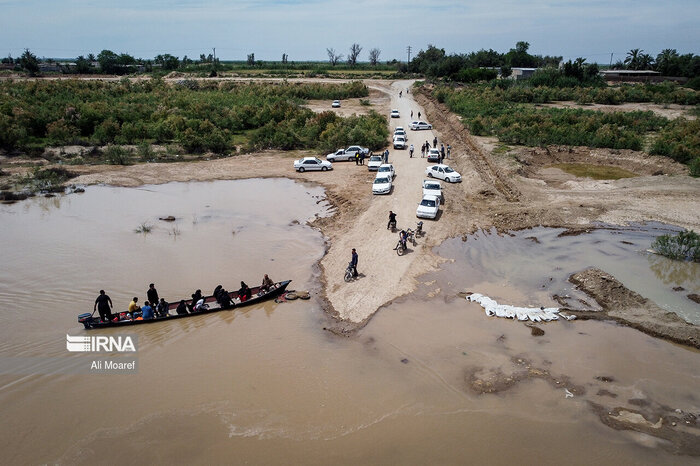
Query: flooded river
{"points": [[266, 384]]}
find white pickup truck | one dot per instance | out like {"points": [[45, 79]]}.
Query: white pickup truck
{"points": [[346, 154]]}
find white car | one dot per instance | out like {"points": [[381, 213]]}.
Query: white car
{"points": [[399, 142], [428, 207], [374, 162], [443, 172], [432, 188], [398, 128], [400, 132], [433, 155], [381, 184], [312, 163], [386, 169], [339, 155], [418, 125], [335, 104], [395, 113]]}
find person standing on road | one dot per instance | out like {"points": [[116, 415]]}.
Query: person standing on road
{"points": [[419, 115], [411, 114], [435, 142], [410, 151], [357, 158], [400, 92], [386, 156], [442, 152], [362, 158], [392, 219], [353, 262], [448, 151], [103, 303]]}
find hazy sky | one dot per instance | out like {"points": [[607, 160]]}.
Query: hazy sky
{"points": [[305, 28]]}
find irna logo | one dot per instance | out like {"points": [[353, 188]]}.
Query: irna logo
{"points": [[97, 344]]}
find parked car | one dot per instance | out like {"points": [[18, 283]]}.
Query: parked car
{"points": [[346, 154], [382, 184], [312, 163], [335, 104], [443, 172], [395, 113], [432, 188], [418, 125], [428, 207], [387, 169], [399, 142], [434, 155], [398, 128], [400, 132], [374, 162]]}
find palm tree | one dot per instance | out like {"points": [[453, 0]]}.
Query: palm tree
{"points": [[632, 60], [667, 62]]}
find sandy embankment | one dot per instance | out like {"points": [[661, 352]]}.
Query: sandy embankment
{"points": [[509, 192]]}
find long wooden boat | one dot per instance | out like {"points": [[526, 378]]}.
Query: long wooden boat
{"points": [[91, 322]]}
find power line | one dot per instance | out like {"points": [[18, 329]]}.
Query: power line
{"points": [[408, 49]]}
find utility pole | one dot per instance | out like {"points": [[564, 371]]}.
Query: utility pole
{"points": [[408, 49], [611, 55]]}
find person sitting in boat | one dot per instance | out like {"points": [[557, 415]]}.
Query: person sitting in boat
{"points": [[181, 308], [195, 299], [134, 308], [244, 292], [162, 308], [224, 299], [147, 311], [267, 283]]}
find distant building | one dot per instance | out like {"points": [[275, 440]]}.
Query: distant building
{"points": [[519, 74]]}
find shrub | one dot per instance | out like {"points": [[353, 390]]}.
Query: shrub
{"points": [[116, 155], [683, 246], [694, 167]]}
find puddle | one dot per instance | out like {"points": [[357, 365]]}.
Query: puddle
{"points": [[266, 384], [526, 269]]}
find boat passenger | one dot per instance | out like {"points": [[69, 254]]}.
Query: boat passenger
{"points": [[267, 283], [162, 308], [244, 292], [152, 294], [133, 307], [104, 304], [195, 298], [224, 299], [147, 311], [216, 292], [200, 306], [182, 307]]}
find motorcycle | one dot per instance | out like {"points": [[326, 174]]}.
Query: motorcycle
{"points": [[392, 225], [401, 246], [349, 273]]}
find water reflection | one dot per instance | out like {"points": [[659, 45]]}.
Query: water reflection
{"points": [[673, 272]]}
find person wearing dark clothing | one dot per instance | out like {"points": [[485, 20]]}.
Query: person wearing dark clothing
{"points": [[181, 308], [411, 113], [442, 151], [357, 158], [152, 294], [362, 158], [386, 156], [435, 141], [195, 298], [353, 262], [103, 304], [419, 115], [392, 219], [244, 292], [162, 308], [216, 290], [224, 299]]}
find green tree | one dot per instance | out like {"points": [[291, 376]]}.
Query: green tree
{"points": [[29, 62]]}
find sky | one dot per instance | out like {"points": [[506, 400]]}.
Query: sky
{"points": [[304, 29]]}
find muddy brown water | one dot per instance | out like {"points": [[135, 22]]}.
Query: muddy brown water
{"points": [[266, 385]]}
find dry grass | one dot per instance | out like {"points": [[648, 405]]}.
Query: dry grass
{"points": [[597, 172]]}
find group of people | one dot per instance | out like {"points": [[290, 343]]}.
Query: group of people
{"points": [[156, 307], [359, 158], [444, 152], [412, 115]]}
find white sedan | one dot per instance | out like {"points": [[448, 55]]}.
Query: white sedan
{"points": [[395, 114], [432, 188], [374, 162], [381, 184], [443, 172], [400, 132], [339, 155], [386, 169], [312, 163], [418, 125], [335, 104], [399, 142], [428, 207]]}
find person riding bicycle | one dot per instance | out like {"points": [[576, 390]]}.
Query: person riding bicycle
{"points": [[392, 219]]}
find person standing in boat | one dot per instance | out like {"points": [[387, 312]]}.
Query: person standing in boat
{"points": [[267, 283], [103, 303], [152, 294]]}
